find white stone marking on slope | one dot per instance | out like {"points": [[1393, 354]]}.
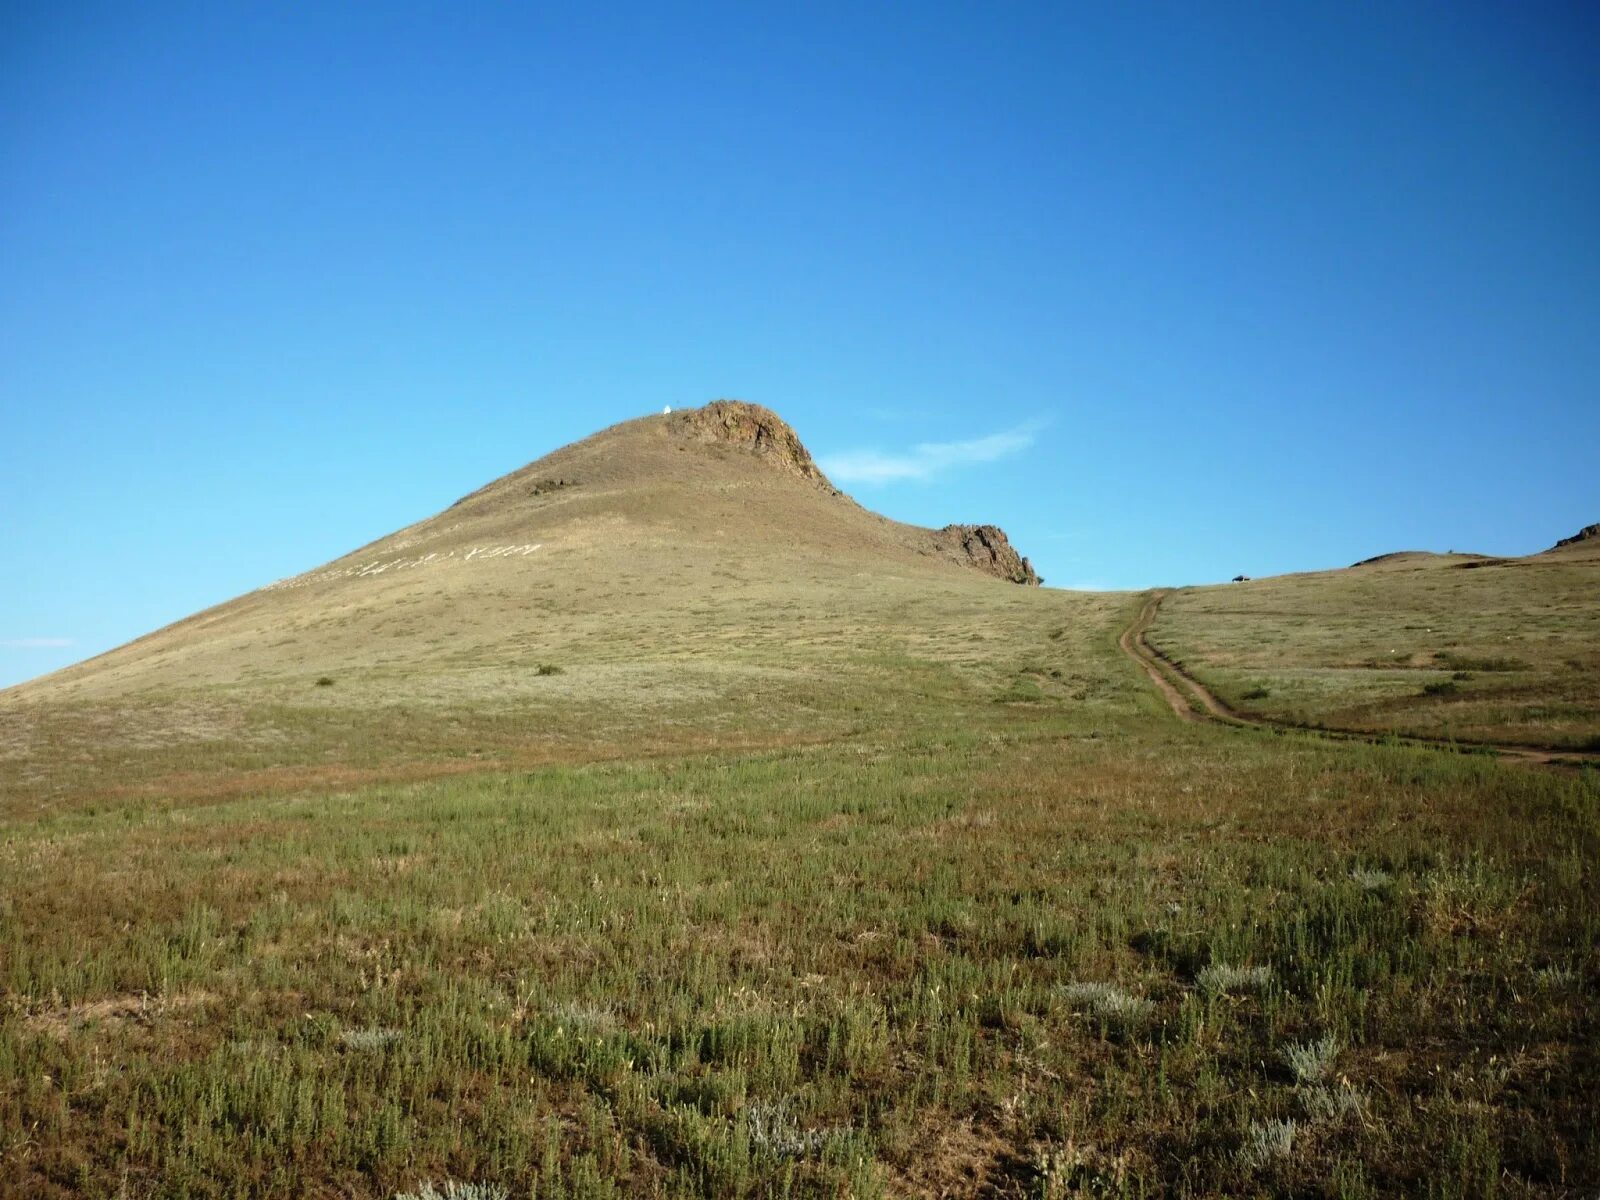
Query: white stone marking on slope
{"points": [[375, 567]]}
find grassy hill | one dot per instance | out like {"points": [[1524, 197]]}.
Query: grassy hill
{"points": [[1457, 646], [676, 581], [736, 841]]}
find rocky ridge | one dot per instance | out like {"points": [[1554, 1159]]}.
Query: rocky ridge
{"points": [[761, 432], [1587, 534], [987, 548], [750, 427]]}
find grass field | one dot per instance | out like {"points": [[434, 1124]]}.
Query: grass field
{"points": [[1441, 646], [737, 865], [1054, 947]]}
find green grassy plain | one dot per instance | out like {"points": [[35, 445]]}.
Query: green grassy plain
{"points": [[855, 967], [818, 868]]}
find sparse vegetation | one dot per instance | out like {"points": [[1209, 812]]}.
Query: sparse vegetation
{"points": [[1376, 649], [702, 975], [768, 897]]}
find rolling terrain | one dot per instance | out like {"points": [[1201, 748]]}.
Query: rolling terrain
{"points": [[656, 821], [1466, 648]]}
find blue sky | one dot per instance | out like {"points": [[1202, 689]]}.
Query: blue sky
{"points": [[1168, 291]]}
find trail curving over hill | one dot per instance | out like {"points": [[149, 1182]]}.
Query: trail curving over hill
{"points": [[1191, 700]]}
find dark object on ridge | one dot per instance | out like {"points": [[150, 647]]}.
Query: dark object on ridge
{"points": [[1241, 579]]}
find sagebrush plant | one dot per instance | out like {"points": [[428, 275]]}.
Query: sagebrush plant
{"points": [[452, 1190], [373, 1038], [1267, 1142], [1311, 1061], [1110, 1003], [1371, 879], [1223, 977], [773, 1129]]}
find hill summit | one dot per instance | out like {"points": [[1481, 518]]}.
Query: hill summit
{"points": [[614, 538], [751, 427]]}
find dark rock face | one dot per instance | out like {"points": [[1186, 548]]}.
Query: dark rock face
{"points": [[751, 427], [1587, 533], [987, 548]]}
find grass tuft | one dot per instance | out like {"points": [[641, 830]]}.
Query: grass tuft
{"points": [[1332, 1104]]}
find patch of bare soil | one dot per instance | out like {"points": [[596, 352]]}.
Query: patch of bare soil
{"points": [[113, 1012]]}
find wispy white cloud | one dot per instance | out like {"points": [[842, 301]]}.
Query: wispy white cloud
{"points": [[926, 459], [35, 643]]}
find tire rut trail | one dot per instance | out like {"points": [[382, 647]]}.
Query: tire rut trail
{"points": [[1193, 701]]}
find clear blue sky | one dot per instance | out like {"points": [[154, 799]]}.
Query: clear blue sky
{"points": [[1211, 288]]}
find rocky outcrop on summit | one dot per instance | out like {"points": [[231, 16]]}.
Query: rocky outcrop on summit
{"points": [[1588, 533], [751, 427], [987, 548], [763, 433]]}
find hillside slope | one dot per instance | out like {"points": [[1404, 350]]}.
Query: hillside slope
{"points": [[668, 509], [686, 575], [1455, 646]]}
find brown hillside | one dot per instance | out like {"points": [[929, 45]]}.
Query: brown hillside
{"points": [[1585, 543], [655, 515]]}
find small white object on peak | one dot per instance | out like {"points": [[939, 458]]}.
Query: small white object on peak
{"points": [[666, 410]]}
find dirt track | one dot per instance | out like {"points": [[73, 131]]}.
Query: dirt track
{"points": [[1192, 700]]}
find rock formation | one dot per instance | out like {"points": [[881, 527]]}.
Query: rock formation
{"points": [[987, 548], [750, 427], [1587, 533]]}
